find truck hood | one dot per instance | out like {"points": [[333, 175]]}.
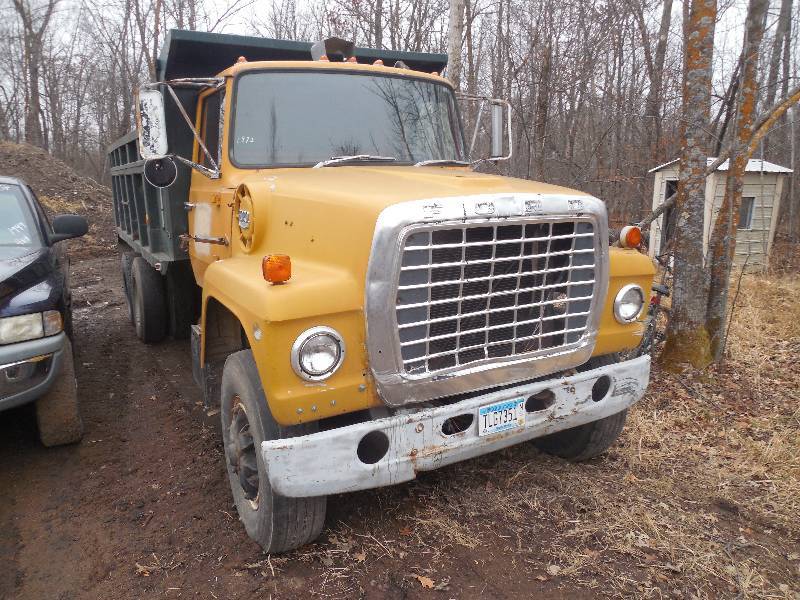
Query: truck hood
{"points": [[324, 219], [371, 188]]}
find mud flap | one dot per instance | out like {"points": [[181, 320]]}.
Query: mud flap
{"points": [[197, 368]]}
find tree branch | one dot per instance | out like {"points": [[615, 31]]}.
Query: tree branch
{"points": [[762, 126]]}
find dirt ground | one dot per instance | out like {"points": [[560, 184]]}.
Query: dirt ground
{"points": [[699, 499]]}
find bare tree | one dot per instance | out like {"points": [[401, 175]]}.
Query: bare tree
{"points": [[455, 35], [687, 336], [35, 21], [723, 236]]}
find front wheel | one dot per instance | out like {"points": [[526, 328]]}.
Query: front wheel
{"points": [[276, 523], [591, 439], [57, 411]]}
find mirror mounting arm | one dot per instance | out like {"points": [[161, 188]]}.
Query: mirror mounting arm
{"points": [[210, 173], [205, 171]]}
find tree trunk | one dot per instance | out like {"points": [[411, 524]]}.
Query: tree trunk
{"points": [[687, 338], [454, 36], [781, 32], [378, 30], [33, 35], [722, 243], [652, 111], [542, 107]]}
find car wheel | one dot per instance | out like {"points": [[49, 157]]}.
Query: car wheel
{"points": [[589, 440], [57, 411], [149, 303], [277, 523]]}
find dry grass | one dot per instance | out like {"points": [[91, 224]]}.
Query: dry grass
{"points": [[698, 500]]}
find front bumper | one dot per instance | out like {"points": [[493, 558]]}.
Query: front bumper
{"points": [[28, 369], [327, 462]]}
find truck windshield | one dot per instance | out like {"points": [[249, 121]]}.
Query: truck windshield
{"points": [[17, 224], [301, 118]]}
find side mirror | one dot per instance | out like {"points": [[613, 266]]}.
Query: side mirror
{"points": [[160, 172], [497, 131], [151, 124], [499, 127], [68, 226]]}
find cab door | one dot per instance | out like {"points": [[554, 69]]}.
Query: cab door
{"points": [[211, 204]]}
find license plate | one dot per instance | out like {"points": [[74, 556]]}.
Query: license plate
{"points": [[501, 416]]}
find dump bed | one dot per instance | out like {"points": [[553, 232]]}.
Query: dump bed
{"points": [[151, 220]]}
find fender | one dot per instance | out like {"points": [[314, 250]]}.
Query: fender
{"points": [[624, 267], [273, 316]]}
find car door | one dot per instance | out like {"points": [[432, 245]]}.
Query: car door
{"points": [[210, 216]]}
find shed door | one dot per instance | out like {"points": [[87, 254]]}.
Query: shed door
{"points": [[669, 217]]}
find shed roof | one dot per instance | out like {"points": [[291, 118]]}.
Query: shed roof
{"points": [[754, 165]]}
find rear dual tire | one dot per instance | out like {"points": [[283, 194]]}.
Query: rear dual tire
{"points": [[159, 305], [149, 302]]}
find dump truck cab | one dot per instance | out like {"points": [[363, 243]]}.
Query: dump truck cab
{"points": [[363, 304]]}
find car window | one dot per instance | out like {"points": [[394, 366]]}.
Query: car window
{"points": [[17, 222]]}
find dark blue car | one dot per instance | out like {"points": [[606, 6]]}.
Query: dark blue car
{"points": [[35, 313]]}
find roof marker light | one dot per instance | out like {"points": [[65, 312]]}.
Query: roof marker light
{"points": [[378, 62], [324, 58], [241, 59]]}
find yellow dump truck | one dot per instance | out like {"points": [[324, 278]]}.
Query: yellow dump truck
{"points": [[362, 303]]}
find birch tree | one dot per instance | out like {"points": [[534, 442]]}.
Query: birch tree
{"points": [[455, 34]]}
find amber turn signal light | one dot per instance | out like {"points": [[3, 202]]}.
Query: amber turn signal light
{"points": [[630, 237], [277, 268]]}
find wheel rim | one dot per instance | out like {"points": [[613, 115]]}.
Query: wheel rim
{"points": [[242, 454]]}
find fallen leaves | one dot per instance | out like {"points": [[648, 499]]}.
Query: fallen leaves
{"points": [[430, 584]]}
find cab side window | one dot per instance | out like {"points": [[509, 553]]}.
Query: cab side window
{"points": [[210, 128]]}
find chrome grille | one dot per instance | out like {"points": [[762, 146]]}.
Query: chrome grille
{"points": [[471, 293]]}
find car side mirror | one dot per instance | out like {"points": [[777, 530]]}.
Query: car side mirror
{"points": [[68, 226], [151, 124]]}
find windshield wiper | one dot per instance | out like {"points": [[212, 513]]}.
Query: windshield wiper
{"points": [[340, 160], [442, 161]]}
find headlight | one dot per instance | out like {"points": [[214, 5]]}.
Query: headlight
{"points": [[317, 353], [629, 303], [29, 327]]}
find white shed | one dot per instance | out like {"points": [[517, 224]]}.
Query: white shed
{"points": [[758, 215]]}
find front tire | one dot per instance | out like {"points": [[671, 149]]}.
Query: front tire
{"points": [[592, 439], [57, 411], [276, 523]]}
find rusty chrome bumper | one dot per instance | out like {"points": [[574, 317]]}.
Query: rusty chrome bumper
{"points": [[327, 462]]}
